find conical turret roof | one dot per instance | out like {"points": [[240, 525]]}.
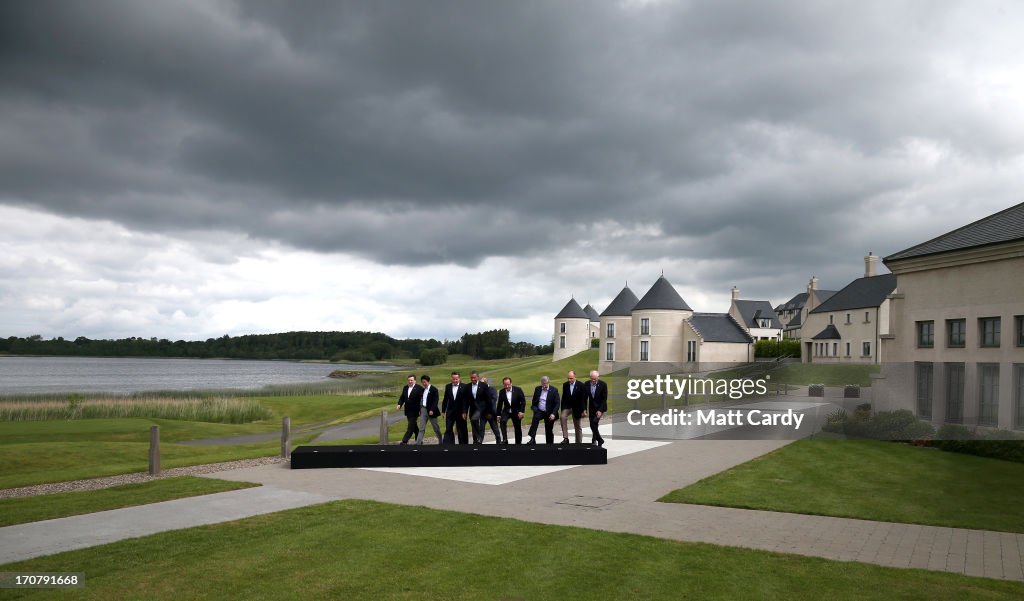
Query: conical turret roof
{"points": [[662, 296], [591, 313], [622, 305], [572, 310]]}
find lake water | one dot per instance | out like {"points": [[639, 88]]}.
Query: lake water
{"points": [[27, 375]]}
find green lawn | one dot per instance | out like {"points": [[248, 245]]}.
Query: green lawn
{"points": [[872, 480], [829, 375], [380, 552], [47, 507]]}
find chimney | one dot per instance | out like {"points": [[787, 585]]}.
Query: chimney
{"points": [[735, 293], [812, 285], [870, 265]]}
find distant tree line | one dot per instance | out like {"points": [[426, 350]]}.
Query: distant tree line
{"points": [[335, 346]]}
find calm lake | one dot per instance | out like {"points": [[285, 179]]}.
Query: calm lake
{"points": [[26, 375]]}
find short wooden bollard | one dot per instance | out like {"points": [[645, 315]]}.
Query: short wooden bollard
{"points": [[154, 450], [286, 437], [383, 426]]}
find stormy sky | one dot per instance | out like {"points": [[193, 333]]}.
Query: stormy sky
{"points": [[190, 169]]}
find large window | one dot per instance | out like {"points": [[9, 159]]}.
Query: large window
{"points": [[866, 350], [925, 334], [847, 349], [989, 328], [691, 350], [645, 326], [956, 333], [611, 330], [561, 342], [609, 351], [955, 393], [923, 376], [561, 328], [1018, 414], [835, 349], [645, 350], [988, 394]]}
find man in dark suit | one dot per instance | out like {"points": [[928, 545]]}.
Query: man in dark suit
{"points": [[545, 409], [511, 405], [597, 404], [574, 403], [410, 399], [454, 408], [428, 409], [489, 413]]}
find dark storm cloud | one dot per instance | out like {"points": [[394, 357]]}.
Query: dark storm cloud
{"points": [[337, 126]]}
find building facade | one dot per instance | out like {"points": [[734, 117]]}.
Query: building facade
{"points": [[756, 316], [572, 331]]}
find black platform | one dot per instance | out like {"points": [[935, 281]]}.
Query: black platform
{"points": [[446, 455]]}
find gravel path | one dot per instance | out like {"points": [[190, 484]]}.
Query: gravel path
{"points": [[107, 482]]}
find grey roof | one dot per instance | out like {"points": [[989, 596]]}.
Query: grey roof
{"points": [[753, 310], [860, 294], [591, 313], [797, 302], [621, 305], [796, 322], [829, 333], [662, 296], [719, 327], [1005, 226], [572, 310]]}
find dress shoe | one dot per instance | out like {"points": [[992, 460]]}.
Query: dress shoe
{"points": [[564, 441]]}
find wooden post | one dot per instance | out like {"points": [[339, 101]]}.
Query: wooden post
{"points": [[154, 450], [286, 437], [383, 426]]}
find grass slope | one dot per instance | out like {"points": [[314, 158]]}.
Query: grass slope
{"points": [[47, 507], [871, 480], [366, 550]]}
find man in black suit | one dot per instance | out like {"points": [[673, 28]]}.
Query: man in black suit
{"points": [[489, 413], [511, 405], [574, 402], [454, 408], [410, 398], [597, 404], [545, 409], [428, 409]]}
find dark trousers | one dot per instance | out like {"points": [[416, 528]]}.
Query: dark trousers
{"points": [[450, 426], [460, 426], [595, 422], [517, 424], [549, 424], [412, 430], [481, 426], [474, 423]]}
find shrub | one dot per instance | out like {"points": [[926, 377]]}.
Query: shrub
{"points": [[214, 410], [434, 356], [772, 348]]}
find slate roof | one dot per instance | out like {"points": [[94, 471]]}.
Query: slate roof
{"points": [[829, 333], [797, 302], [719, 327], [753, 310], [1005, 226], [591, 313], [860, 294], [572, 310], [622, 305], [662, 296], [796, 322]]}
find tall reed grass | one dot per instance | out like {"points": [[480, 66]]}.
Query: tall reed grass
{"points": [[215, 410]]}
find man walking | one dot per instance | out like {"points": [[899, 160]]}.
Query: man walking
{"points": [[454, 408], [574, 402], [489, 413], [511, 405], [428, 409], [545, 409], [597, 405], [410, 399], [477, 404]]}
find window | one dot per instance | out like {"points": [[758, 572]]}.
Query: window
{"points": [[848, 319], [989, 328], [611, 330], [691, 350], [925, 334], [609, 351], [645, 326], [866, 349], [1018, 414], [955, 393], [645, 354], [847, 349], [561, 342], [561, 328], [1020, 330], [867, 317], [956, 333], [766, 323], [988, 394], [830, 321], [923, 377], [835, 349]]}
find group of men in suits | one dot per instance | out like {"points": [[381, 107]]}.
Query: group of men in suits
{"points": [[480, 406]]}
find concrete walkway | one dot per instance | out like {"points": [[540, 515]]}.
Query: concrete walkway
{"points": [[620, 497]]}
